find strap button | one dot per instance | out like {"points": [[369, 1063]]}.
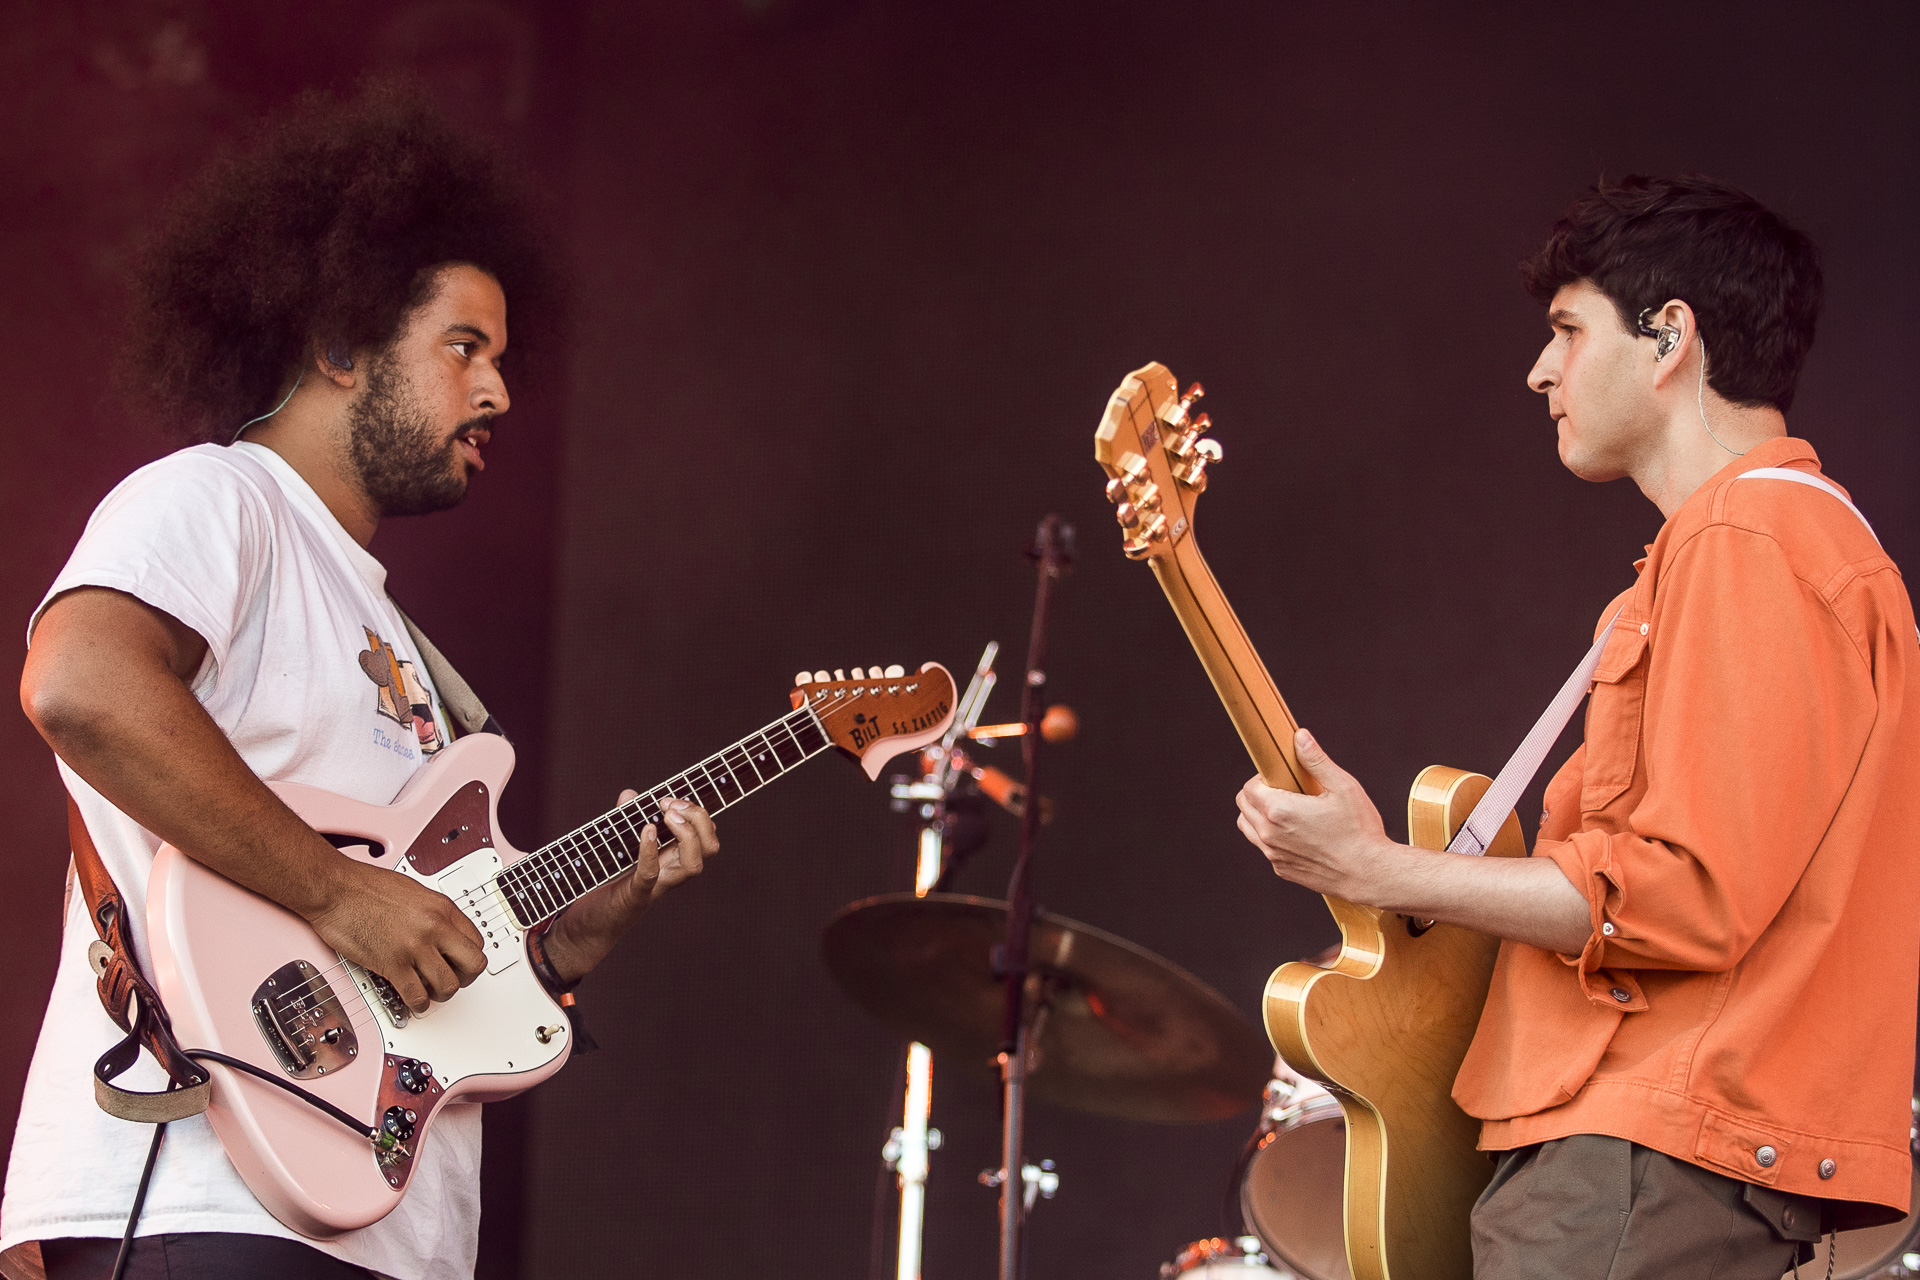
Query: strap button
{"points": [[1766, 1156], [1621, 994]]}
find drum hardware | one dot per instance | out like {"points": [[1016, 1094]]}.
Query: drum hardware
{"points": [[1053, 557], [908, 1147], [1238, 1259], [1041, 1181]]}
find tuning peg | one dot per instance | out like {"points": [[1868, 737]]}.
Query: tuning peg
{"points": [[1194, 392], [1199, 425], [859, 673], [821, 677], [895, 671], [1210, 450], [1127, 515], [805, 677], [839, 674], [1116, 489]]}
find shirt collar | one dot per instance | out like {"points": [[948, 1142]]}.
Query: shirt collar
{"points": [[296, 487]]}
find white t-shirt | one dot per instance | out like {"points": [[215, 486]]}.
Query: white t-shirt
{"points": [[233, 543]]}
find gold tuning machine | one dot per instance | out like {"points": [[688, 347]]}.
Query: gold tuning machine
{"points": [[1140, 545], [1176, 419]]}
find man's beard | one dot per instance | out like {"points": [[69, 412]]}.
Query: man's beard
{"points": [[402, 466]]}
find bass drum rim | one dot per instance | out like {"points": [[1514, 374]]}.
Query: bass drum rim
{"points": [[1297, 1106]]}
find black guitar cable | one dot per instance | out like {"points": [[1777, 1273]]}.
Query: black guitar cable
{"points": [[372, 1135]]}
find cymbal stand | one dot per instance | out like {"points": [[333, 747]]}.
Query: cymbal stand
{"points": [[941, 769], [1053, 553]]}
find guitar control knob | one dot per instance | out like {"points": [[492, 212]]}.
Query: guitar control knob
{"points": [[396, 1124], [414, 1076]]}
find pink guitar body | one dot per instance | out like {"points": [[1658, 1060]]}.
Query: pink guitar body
{"points": [[244, 977], [216, 944]]}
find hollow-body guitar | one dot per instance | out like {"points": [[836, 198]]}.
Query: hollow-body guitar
{"points": [[1386, 1024], [250, 980]]}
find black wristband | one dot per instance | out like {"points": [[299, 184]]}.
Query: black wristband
{"points": [[543, 967]]}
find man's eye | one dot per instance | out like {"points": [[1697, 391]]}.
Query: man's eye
{"points": [[465, 349]]}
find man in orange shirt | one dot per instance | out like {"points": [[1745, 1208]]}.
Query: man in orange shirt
{"points": [[1697, 1052]]}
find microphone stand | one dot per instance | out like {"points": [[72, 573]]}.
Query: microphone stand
{"points": [[1053, 552]]}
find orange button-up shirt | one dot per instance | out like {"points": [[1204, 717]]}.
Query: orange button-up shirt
{"points": [[1744, 819]]}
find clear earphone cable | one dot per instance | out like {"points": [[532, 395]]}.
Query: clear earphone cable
{"points": [[269, 413], [1700, 403]]}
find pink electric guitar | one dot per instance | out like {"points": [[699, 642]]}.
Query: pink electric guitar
{"points": [[246, 978]]}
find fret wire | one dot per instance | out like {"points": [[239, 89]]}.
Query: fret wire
{"points": [[607, 856], [579, 879], [746, 755], [606, 846], [560, 869], [527, 892]]}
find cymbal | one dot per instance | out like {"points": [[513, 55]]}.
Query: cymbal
{"points": [[1125, 1033]]}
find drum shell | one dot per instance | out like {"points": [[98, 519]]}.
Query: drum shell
{"points": [[1293, 1190]]}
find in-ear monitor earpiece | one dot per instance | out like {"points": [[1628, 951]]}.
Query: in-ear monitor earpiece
{"points": [[1665, 338], [339, 355]]}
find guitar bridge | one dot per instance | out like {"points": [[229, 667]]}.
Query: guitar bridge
{"points": [[301, 1019]]}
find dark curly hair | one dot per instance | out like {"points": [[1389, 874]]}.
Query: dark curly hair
{"points": [[1753, 281], [324, 229]]}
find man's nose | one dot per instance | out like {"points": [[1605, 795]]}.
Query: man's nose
{"points": [[1543, 377], [491, 396]]}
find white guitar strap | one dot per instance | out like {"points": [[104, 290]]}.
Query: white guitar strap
{"points": [[1484, 823]]}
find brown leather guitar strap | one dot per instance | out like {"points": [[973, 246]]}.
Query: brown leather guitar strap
{"points": [[130, 1001]]}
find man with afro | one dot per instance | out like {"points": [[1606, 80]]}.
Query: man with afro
{"points": [[325, 313]]}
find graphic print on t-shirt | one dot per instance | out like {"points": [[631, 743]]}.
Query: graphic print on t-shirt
{"points": [[400, 694]]}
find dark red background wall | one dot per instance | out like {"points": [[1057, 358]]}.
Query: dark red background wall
{"points": [[855, 280]]}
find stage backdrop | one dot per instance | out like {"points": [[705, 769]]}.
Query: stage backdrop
{"points": [[855, 278]]}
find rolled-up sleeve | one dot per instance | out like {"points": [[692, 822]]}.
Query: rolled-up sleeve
{"points": [[1746, 712]]}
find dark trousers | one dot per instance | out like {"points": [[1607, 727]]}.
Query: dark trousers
{"points": [[199, 1255], [1596, 1208]]}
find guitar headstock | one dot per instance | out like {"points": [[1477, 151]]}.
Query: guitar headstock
{"points": [[1156, 463], [879, 713]]}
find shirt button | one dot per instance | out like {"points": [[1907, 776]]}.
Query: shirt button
{"points": [[1828, 1168], [1766, 1156], [1607, 928], [1622, 994], [1643, 628]]}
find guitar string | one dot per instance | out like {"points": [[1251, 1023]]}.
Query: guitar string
{"points": [[492, 915], [662, 791], [566, 867], [498, 908]]}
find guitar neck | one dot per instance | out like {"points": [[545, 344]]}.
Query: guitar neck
{"points": [[545, 882], [1252, 701]]}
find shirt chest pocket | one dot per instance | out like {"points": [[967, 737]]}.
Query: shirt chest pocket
{"points": [[1613, 716]]}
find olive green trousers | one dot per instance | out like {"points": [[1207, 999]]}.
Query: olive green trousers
{"points": [[1596, 1208]]}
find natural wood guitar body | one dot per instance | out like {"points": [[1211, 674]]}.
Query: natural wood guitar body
{"points": [[1385, 1028], [1386, 1024]]}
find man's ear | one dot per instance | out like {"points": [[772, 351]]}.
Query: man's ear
{"points": [[334, 360], [1676, 331]]}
